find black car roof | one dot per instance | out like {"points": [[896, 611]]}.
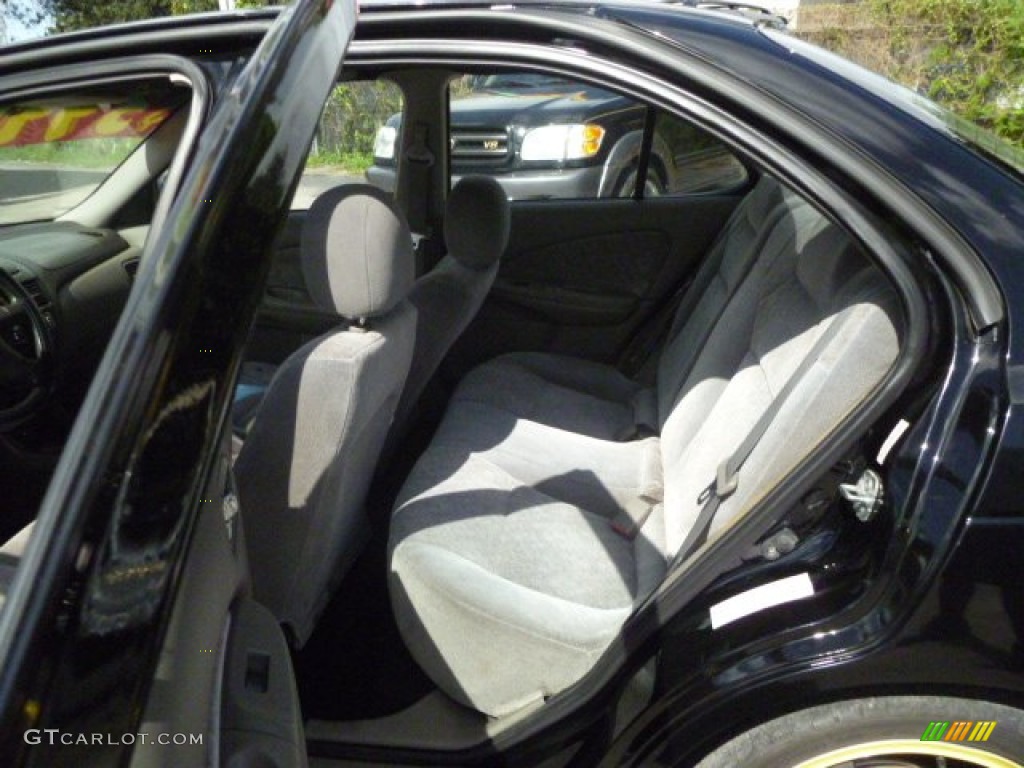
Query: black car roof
{"points": [[738, 11]]}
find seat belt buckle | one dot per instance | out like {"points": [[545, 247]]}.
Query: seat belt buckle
{"points": [[627, 528], [629, 522], [726, 480]]}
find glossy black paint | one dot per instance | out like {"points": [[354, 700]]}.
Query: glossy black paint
{"points": [[931, 602], [83, 659]]}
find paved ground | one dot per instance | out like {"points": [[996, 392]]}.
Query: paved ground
{"points": [[318, 180], [37, 207], [23, 195]]}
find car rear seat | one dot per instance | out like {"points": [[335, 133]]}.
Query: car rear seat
{"points": [[510, 569], [596, 399]]}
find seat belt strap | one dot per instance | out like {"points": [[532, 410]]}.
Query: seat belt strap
{"points": [[727, 477], [420, 160]]}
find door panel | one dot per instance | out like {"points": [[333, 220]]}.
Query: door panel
{"points": [[620, 268], [261, 721], [194, 646], [580, 277]]}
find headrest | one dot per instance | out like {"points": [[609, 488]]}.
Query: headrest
{"points": [[477, 222], [357, 254]]}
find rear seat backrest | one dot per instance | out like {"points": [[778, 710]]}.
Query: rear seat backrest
{"points": [[807, 275], [716, 282]]}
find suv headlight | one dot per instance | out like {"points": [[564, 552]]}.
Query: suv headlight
{"points": [[384, 144], [562, 142]]}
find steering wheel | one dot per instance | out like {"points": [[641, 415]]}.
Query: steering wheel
{"points": [[26, 355]]}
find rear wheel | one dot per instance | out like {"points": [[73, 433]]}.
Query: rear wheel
{"points": [[654, 186], [890, 732]]}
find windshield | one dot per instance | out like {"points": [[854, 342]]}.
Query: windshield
{"points": [[55, 152], [923, 108], [521, 80]]}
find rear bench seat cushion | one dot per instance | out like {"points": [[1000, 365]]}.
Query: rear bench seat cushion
{"points": [[572, 394], [600, 475], [484, 560]]}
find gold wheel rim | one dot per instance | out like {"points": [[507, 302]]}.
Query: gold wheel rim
{"points": [[896, 748]]}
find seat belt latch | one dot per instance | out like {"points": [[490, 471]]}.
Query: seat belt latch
{"points": [[418, 151], [726, 480]]}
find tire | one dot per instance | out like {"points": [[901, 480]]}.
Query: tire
{"points": [[626, 185], [878, 733]]}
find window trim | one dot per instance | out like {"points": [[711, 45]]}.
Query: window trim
{"points": [[68, 77]]}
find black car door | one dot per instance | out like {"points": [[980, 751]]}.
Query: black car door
{"points": [[126, 633]]}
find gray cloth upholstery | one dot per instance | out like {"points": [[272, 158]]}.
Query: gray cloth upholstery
{"points": [[507, 577], [448, 297], [357, 255], [572, 394], [596, 399], [305, 467], [477, 221]]}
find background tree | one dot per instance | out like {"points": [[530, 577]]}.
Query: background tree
{"points": [[27, 13], [70, 15], [967, 55]]}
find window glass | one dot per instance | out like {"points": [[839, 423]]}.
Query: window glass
{"points": [[686, 160], [358, 130], [543, 136], [54, 152]]}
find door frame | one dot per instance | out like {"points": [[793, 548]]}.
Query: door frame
{"points": [[87, 614]]}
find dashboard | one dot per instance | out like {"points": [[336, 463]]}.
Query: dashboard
{"points": [[79, 279]]}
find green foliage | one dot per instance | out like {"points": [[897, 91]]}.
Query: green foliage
{"points": [[91, 153], [966, 54], [69, 15], [353, 114], [181, 7], [350, 162]]}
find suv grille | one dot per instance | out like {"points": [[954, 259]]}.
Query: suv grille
{"points": [[480, 144]]}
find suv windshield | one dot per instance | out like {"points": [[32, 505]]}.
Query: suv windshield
{"points": [[55, 152], [520, 80]]}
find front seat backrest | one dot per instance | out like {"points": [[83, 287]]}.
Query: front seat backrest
{"points": [[307, 462], [476, 232]]}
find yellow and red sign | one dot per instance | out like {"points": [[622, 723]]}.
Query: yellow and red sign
{"points": [[43, 125]]}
